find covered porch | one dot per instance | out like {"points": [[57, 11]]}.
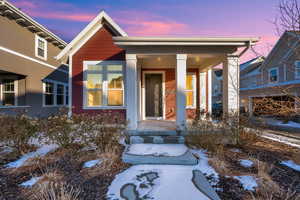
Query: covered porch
{"points": [[170, 79]]}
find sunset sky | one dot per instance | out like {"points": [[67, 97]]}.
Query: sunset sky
{"points": [[67, 18]]}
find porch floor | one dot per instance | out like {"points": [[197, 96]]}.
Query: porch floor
{"points": [[156, 125]]}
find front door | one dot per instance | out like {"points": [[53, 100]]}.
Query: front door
{"points": [[153, 96]]}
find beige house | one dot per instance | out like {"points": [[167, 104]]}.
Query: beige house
{"points": [[277, 77], [30, 77]]}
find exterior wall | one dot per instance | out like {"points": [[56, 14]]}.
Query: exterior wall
{"points": [[30, 88], [170, 92], [99, 47]]}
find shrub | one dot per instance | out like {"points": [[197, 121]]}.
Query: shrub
{"points": [[16, 131]]}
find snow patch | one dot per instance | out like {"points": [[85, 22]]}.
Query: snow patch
{"points": [[291, 164], [246, 163], [157, 149], [288, 124], [42, 151], [236, 150], [91, 163], [30, 182], [248, 182]]}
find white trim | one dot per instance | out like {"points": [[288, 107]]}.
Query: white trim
{"points": [[94, 24], [70, 84], [284, 72], [104, 85], [277, 74], [31, 59], [194, 79], [144, 92], [202, 88], [209, 89], [9, 107], [37, 38], [297, 67]]}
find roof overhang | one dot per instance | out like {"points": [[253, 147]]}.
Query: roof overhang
{"points": [[184, 41]]}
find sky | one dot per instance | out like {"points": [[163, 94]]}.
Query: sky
{"points": [[243, 18]]}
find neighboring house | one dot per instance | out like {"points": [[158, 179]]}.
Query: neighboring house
{"points": [[30, 77], [161, 78], [278, 76]]}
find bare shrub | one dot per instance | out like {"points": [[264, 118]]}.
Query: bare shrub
{"points": [[16, 131], [55, 191]]}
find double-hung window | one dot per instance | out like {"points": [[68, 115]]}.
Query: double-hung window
{"points": [[60, 94], [297, 69], [103, 84], [49, 94], [190, 90], [67, 96], [273, 75], [8, 93], [55, 93], [40, 47]]}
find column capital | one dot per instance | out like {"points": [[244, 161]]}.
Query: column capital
{"points": [[130, 56], [181, 56], [232, 56]]}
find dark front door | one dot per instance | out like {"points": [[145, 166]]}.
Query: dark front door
{"points": [[153, 98]]}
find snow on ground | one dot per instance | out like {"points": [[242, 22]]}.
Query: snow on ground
{"points": [[173, 181], [235, 150], [248, 182], [246, 163], [42, 151], [279, 138], [30, 182], [157, 149], [291, 164], [288, 124], [91, 163]]}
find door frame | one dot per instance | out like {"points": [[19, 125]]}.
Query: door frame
{"points": [[144, 94]]}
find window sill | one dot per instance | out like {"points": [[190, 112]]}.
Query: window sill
{"points": [[104, 107], [7, 107], [53, 106]]}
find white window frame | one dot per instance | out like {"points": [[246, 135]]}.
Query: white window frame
{"points": [[55, 83], [104, 83], [277, 74], [37, 38], [194, 90], [15, 94], [297, 67]]}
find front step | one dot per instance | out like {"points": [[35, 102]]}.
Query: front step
{"points": [[155, 139], [162, 154]]}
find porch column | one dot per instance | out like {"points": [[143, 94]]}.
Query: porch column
{"points": [[203, 90], [131, 91], [231, 85], [180, 91], [209, 91]]}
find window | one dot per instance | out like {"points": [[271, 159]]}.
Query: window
{"points": [[273, 75], [8, 93], [60, 95], [49, 94], [190, 91], [40, 47], [297, 69], [55, 93], [104, 84]]}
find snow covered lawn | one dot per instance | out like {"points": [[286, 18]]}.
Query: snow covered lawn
{"points": [[248, 182], [30, 182], [157, 149], [290, 124], [291, 164], [92, 163], [246, 163]]}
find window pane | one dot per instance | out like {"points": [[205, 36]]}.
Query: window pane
{"points": [[60, 99], [41, 44], [273, 75], [114, 67], [189, 99], [60, 89], [115, 97], [67, 100], [8, 99], [95, 67], [94, 81], [94, 98], [189, 82], [9, 86], [49, 99], [115, 81], [49, 87]]}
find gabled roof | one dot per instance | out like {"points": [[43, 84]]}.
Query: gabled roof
{"points": [[9, 10], [89, 31], [249, 63]]}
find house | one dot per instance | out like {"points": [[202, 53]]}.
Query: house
{"points": [[276, 78], [158, 78], [30, 77]]}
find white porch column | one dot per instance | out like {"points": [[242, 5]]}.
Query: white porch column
{"points": [[209, 91], [203, 85], [231, 85], [131, 91], [180, 90]]}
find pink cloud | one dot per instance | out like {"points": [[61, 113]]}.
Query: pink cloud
{"points": [[80, 17], [26, 4]]}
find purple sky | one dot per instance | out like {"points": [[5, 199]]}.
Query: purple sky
{"points": [[67, 18]]}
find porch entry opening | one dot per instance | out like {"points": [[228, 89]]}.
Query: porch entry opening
{"points": [[153, 96]]}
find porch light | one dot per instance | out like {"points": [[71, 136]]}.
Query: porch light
{"points": [[159, 58], [197, 59]]}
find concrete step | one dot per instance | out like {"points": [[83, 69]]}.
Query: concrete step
{"points": [[155, 140], [158, 154]]}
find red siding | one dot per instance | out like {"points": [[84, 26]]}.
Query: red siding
{"points": [[99, 47]]}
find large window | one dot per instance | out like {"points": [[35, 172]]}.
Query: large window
{"points": [[103, 84], [297, 69], [55, 93], [40, 47], [8, 93], [190, 90], [273, 75]]}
